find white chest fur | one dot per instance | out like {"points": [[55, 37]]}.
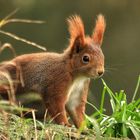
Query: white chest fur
{"points": [[75, 92]]}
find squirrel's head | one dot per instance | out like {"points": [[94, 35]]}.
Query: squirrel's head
{"points": [[85, 51]]}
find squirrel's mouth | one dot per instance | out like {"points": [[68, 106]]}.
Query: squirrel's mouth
{"points": [[95, 76]]}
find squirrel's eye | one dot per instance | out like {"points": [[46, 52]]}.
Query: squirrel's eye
{"points": [[86, 58]]}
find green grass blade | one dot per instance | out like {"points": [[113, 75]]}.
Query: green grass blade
{"points": [[102, 99], [110, 92], [124, 118], [95, 124], [135, 131], [136, 90], [97, 110], [113, 106], [124, 128]]}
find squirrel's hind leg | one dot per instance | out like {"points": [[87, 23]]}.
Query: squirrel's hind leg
{"points": [[56, 109], [55, 98]]}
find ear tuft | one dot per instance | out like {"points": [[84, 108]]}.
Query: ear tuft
{"points": [[99, 30], [76, 28]]}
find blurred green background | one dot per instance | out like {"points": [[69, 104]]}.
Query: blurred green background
{"points": [[121, 45]]}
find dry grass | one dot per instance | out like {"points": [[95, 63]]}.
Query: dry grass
{"points": [[14, 127], [7, 20]]}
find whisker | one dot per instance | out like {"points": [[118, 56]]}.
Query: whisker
{"points": [[113, 68]]}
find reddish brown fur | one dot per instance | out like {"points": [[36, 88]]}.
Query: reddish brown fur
{"points": [[99, 30], [76, 29], [61, 79]]}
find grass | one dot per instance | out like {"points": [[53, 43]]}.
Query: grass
{"points": [[14, 127], [124, 122]]}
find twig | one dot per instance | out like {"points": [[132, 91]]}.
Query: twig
{"points": [[9, 46], [22, 40], [11, 91], [24, 21], [2, 22], [34, 119]]}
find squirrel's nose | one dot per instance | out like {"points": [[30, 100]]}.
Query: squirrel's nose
{"points": [[100, 72]]}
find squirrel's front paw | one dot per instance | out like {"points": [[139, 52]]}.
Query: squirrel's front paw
{"points": [[65, 124]]}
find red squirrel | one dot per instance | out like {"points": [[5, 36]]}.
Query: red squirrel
{"points": [[61, 79]]}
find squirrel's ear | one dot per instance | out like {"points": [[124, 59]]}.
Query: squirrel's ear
{"points": [[76, 30], [99, 29]]}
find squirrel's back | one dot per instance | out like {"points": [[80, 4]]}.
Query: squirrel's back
{"points": [[37, 70]]}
